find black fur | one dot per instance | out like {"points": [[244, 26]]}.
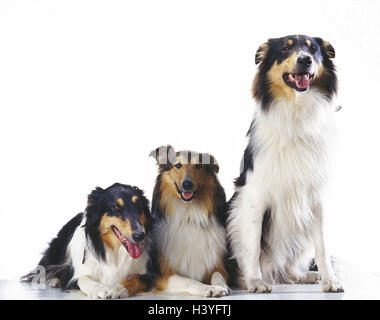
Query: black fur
{"points": [[247, 159]]}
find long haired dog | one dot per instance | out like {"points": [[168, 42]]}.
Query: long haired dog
{"points": [[276, 213], [105, 250], [190, 206]]}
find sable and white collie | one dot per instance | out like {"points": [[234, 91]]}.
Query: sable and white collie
{"points": [[189, 206], [105, 250], [275, 221]]}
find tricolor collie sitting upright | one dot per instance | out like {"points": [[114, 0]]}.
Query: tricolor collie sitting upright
{"points": [[276, 214], [105, 251], [190, 205]]}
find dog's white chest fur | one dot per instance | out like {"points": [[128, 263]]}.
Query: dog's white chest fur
{"points": [[190, 242]]}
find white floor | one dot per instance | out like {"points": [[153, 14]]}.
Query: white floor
{"points": [[367, 289], [358, 284]]}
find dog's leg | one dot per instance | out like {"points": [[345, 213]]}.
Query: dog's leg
{"points": [[92, 288], [245, 230], [328, 279], [174, 283]]}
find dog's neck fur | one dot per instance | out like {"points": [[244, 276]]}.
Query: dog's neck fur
{"points": [[178, 211], [307, 115]]}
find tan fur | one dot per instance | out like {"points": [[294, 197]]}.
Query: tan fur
{"points": [[290, 42], [143, 220], [278, 87], [308, 42], [261, 52], [162, 282], [134, 199], [203, 182], [106, 233], [120, 202], [134, 285]]}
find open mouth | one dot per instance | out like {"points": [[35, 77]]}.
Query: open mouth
{"points": [[186, 196], [133, 249], [298, 81]]}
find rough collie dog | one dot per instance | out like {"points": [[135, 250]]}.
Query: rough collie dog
{"points": [[105, 250], [190, 206], [276, 214]]}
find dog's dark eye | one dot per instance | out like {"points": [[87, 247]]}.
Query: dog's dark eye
{"points": [[178, 165], [116, 206], [313, 49], [285, 49], [198, 166]]}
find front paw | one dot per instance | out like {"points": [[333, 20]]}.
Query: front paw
{"points": [[99, 292], [214, 291], [119, 292], [332, 286], [258, 286]]}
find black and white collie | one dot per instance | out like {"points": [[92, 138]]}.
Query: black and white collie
{"points": [[189, 206], [105, 250], [275, 222]]}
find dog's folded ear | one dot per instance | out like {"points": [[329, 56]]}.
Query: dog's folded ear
{"points": [[94, 196], [210, 162], [326, 47], [164, 155], [261, 53]]}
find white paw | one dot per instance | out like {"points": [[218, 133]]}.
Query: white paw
{"points": [[215, 291], [332, 286], [119, 292], [258, 286], [99, 292]]}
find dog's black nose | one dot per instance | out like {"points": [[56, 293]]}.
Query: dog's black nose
{"points": [[304, 61], [138, 236], [187, 185]]}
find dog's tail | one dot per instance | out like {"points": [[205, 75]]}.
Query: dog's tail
{"points": [[53, 265]]}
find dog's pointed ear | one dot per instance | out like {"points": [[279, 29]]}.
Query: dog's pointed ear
{"points": [[261, 53], [210, 162], [326, 47], [164, 155]]}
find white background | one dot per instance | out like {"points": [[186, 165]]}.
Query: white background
{"points": [[89, 88]]}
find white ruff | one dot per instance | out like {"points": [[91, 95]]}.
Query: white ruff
{"points": [[190, 242], [290, 145], [111, 272]]}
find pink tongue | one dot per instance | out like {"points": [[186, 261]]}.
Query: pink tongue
{"points": [[133, 249], [187, 195], [302, 80]]}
